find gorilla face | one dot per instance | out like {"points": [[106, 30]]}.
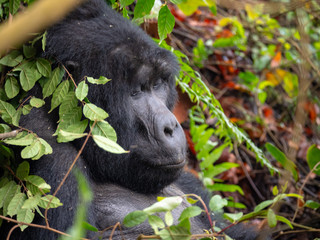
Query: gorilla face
{"points": [[139, 98]]}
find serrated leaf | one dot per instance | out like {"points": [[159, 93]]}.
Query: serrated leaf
{"points": [[134, 218], [36, 102], [175, 233], [59, 94], [93, 112], [165, 22], [14, 6], [11, 87], [82, 90], [108, 145], [190, 212], [64, 136], [101, 80], [38, 182], [313, 158], [26, 216], [28, 78], [44, 67], [7, 192], [23, 170], [142, 8], [31, 202], [7, 111], [21, 141], [271, 216], [12, 59], [54, 79], [55, 202], [103, 128], [16, 117], [70, 102], [164, 205], [31, 151], [217, 203], [16, 204]]}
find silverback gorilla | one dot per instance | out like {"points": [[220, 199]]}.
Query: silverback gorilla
{"points": [[96, 41]]}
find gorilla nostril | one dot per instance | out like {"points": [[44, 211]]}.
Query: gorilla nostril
{"points": [[168, 131]]}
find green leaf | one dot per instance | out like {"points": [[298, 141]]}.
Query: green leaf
{"points": [[108, 145], [190, 212], [69, 102], [44, 67], [124, 3], [281, 158], [82, 90], [54, 79], [24, 140], [217, 203], [11, 87], [134, 218], [36, 102], [313, 158], [26, 109], [93, 112], [233, 217], [64, 136], [40, 153], [263, 205], [12, 59], [7, 111], [164, 205], [31, 202], [142, 8], [222, 167], [28, 78], [89, 227], [16, 204], [23, 170], [44, 201], [101, 80], [59, 94], [48, 148], [16, 117], [275, 190], [14, 6], [168, 218], [31, 151], [103, 128], [175, 233], [271, 216], [312, 204], [225, 188], [38, 182], [155, 222], [165, 22], [26, 216], [29, 51], [284, 220], [10, 190]]}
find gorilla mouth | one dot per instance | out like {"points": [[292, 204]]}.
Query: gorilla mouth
{"points": [[176, 164]]}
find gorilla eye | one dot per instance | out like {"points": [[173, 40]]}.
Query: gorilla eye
{"points": [[157, 84], [135, 93]]}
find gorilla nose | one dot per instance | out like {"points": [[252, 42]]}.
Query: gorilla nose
{"points": [[170, 132]]}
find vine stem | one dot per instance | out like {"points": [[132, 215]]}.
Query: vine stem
{"points": [[35, 225], [67, 174], [301, 188]]}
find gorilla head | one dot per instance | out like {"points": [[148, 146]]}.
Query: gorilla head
{"points": [[139, 98]]}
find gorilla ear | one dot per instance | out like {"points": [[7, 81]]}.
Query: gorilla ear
{"points": [[72, 67]]}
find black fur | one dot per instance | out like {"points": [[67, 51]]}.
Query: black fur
{"points": [[96, 41]]}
